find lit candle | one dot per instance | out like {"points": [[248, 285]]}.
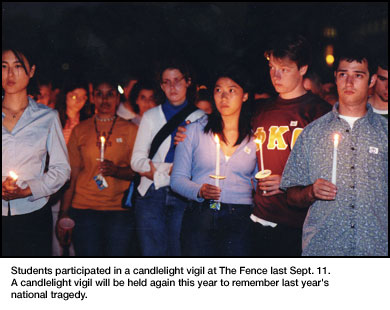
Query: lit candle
{"points": [[102, 140], [334, 167], [262, 173], [13, 175], [218, 147], [260, 143]]}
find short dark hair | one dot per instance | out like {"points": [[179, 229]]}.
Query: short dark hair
{"points": [[356, 52], [383, 62], [293, 46], [105, 76], [140, 85], [203, 94], [174, 63]]}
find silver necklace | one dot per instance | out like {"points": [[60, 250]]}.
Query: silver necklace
{"points": [[105, 119]]}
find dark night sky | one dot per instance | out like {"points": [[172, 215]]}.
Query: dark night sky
{"points": [[132, 37]]}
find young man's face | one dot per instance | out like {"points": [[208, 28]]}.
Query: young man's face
{"points": [[286, 77], [381, 85], [352, 80]]}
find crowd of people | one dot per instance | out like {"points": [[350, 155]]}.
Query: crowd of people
{"points": [[172, 168]]}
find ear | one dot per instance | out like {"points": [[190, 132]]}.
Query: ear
{"points": [[32, 71], [189, 82], [306, 84], [303, 70], [373, 80], [245, 97]]}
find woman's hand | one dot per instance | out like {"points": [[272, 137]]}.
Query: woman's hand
{"points": [[208, 191], [149, 174], [12, 191]]}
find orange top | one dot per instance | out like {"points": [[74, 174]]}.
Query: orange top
{"points": [[84, 152]]}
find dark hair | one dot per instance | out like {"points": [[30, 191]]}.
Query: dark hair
{"points": [[72, 84], [383, 62], [174, 63], [182, 65], [19, 51], [102, 77], [140, 85], [356, 52], [238, 74], [293, 46], [203, 94]]}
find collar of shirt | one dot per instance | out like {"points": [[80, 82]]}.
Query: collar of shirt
{"points": [[170, 110], [369, 115], [26, 118]]}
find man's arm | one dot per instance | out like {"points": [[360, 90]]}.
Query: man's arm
{"points": [[305, 196]]}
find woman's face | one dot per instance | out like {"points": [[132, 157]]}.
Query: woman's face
{"points": [[76, 99], [174, 85], [14, 78], [145, 100], [106, 99], [229, 96]]}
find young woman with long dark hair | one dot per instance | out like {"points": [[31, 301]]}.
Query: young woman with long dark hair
{"points": [[208, 231]]}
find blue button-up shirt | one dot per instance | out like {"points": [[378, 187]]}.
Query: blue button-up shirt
{"points": [[24, 151], [356, 222], [195, 160]]}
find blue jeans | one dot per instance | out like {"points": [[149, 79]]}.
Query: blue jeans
{"points": [[159, 217], [103, 233], [208, 232]]}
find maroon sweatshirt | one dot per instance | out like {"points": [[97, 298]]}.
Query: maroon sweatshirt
{"points": [[279, 122]]}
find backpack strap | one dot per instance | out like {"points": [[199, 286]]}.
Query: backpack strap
{"points": [[169, 127]]}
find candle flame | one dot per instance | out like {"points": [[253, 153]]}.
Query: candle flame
{"points": [[258, 141], [216, 138], [336, 139], [102, 139], [13, 175], [74, 97]]}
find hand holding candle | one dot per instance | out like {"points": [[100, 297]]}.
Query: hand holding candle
{"points": [[11, 190], [334, 166]]}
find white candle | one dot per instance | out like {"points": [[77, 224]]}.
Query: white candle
{"points": [[218, 147], [334, 167], [102, 140], [260, 143]]}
